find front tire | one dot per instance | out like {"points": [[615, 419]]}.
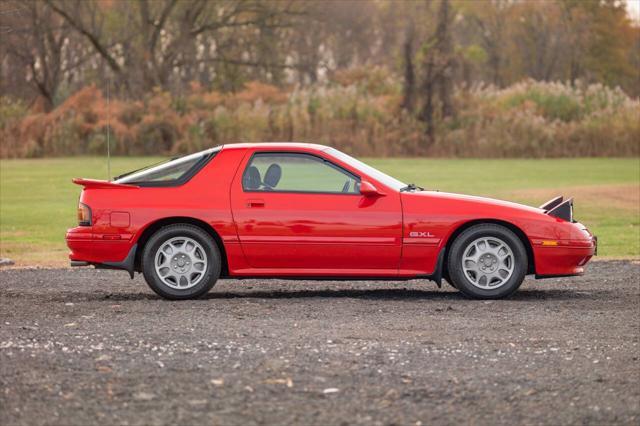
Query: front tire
{"points": [[181, 262], [487, 261]]}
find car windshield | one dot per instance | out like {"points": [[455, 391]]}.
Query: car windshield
{"points": [[169, 170], [374, 173]]}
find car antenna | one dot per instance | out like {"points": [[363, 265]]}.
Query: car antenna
{"points": [[109, 128]]}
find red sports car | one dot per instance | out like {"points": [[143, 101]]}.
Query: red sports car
{"points": [[292, 210]]}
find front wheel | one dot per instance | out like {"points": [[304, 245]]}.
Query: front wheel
{"points": [[181, 262], [487, 261]]}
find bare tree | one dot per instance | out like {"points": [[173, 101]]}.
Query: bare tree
{"points": [[490, 19], [409, 88], [34, 38], [445, 58], [438, 72], [88, 20], [541, 35], [54, 46], [160, 39]]}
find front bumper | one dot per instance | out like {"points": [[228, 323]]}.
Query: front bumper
{"points": [[568, 258]]}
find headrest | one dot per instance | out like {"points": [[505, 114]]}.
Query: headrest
{"points": [[273, 175]]}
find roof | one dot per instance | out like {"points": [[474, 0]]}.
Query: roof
{"points": [[276, 145]]}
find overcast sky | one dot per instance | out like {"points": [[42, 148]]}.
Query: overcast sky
{"points": [[633, 7]]}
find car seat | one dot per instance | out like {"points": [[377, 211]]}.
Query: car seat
{"points": [[251, 178]]}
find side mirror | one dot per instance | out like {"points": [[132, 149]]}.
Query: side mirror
{"points": [[368, 190]]}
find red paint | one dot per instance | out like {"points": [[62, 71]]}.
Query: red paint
{"points": [[379, 233]]}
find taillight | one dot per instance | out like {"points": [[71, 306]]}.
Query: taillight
{"points": [[84, 215]]}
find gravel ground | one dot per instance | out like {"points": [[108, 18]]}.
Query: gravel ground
{"points": [[81, 347]]}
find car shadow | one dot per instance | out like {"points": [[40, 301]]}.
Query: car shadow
{"points": [[400, 294], [377, 294]]}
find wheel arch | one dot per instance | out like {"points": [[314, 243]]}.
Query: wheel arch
{"points": [[531, 268], [153, 227]]}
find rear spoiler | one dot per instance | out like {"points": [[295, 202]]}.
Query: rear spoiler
{"points": [[560, 208], [101, 184]]}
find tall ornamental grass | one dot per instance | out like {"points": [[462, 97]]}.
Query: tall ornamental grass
{"points": [[357, 111]]}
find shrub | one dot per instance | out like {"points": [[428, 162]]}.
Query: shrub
{"points": [[357, 111]]}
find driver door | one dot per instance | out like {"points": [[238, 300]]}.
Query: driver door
{"points": [[302, 213]]}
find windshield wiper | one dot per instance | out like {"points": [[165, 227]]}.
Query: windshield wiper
{"points": [[411, 187]]}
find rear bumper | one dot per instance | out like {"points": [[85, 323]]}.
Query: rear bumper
{"points": [[568, 258], [86, 249]]}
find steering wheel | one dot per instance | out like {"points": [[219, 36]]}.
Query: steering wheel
{"points": [[345, 187]]}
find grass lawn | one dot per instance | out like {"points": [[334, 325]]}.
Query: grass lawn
{"points": [[38, 201]]}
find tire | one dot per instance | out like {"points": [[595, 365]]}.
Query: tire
{"points": [[181, 262], [487, 261]]}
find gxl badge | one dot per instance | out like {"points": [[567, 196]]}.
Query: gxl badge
{"points": [[415, 234]]}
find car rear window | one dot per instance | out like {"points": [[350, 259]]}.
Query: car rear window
{"points": [[170, 172]]}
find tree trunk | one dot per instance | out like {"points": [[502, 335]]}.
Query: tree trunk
{"points": [[444, 50], [408, 100], [426, 115]]}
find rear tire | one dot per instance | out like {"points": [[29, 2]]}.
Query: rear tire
{"points": [[181, 262], [487, 261]]}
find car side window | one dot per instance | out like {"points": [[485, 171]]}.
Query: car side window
{"points": [[293, 172]]}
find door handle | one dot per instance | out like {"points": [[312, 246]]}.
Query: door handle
{"points": [[255, 203]]}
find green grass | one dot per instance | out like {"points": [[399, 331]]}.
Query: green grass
{"points": [[38, 200], [478, 176], [38, 203]]}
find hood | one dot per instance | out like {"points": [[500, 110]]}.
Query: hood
{"points": [[471, 201]]}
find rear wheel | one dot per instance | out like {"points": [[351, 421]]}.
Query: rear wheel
{"points": [[181, 262], [487, 261]]}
